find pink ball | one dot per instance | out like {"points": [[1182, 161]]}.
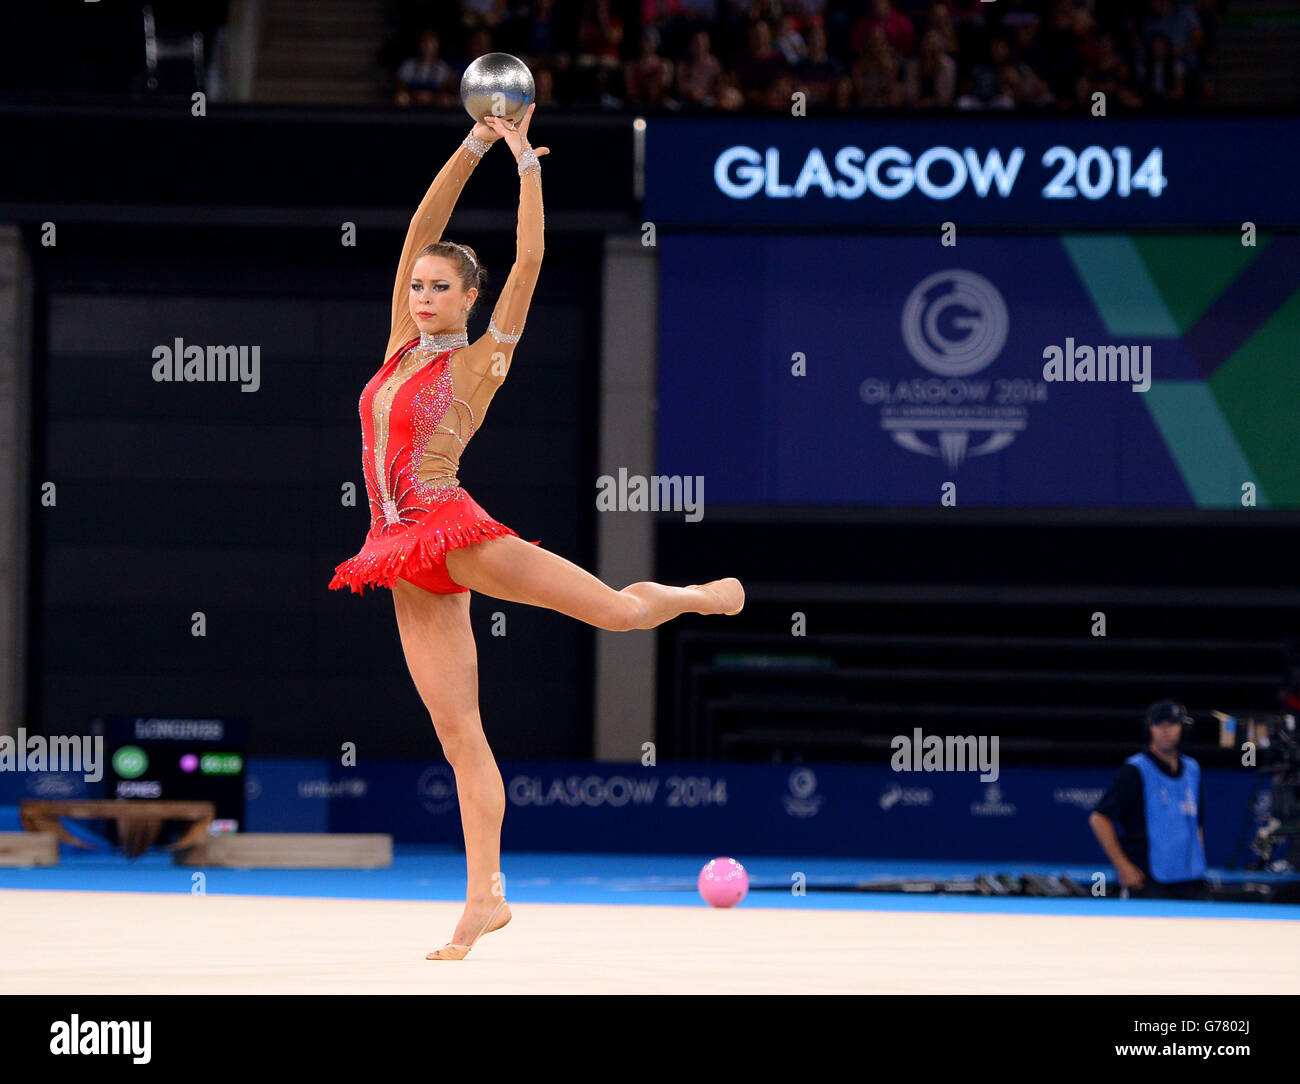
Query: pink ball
{"points": [[723, 882]]}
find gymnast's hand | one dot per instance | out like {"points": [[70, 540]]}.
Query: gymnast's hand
{"points": [[516, 136], [483, 132]]}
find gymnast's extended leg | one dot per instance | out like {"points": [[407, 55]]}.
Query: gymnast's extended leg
{"points": [[439, 646], [514, 570]]}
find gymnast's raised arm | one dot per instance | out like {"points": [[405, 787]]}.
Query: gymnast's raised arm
{"points": [[489, 356], [427, 224]]}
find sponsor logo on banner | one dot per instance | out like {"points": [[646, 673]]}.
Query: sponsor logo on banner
{"points": [[252, 788], [802, 801], [331, 788], [1083, 797], [954, 324], [578, 790], [436, 789], [992, 805], [53, 786], [894, 795], [178, 730]]}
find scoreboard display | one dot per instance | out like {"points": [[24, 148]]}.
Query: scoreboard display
{"points": [[179, 759]]}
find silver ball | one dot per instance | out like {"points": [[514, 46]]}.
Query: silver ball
{"points": [[497, 83]]}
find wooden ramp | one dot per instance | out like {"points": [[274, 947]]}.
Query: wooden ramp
{"points": [[290, 850], [29, 849]]}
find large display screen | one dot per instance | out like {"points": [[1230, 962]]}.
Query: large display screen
{"points": [[1057, 370]]}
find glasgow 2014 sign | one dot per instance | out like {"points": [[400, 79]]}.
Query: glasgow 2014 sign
{"points": [[980, 172]]}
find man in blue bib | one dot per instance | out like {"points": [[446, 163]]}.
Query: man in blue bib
{"points": [[1158, 804]]}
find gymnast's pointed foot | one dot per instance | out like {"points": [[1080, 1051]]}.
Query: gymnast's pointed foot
{"points": [[730, 595], [494, 920]]}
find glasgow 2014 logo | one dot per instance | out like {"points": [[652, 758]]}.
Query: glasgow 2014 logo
{"points": [[954, 324]]}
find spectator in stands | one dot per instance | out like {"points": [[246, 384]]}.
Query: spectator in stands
{"points": [[478, 44], [1157, 801], [897, 27], [761, 66], [544, 81], [1160, 73], [540, 38], [984, 87], [790, 43], [654, 13], [1209, 15], [700, 12], [427, 79], [940, 21], [821, 76], [699, 76], [545, 43], [877, 82], [931, 79], [967, 11], [806, 12], [1181, 26], [1122, 20], [650, 76], [1021, 25], [672, 20], [1055, 52], [1017, 79], [730, 35], [844, 54], [600, 37], [732, 96], [484, 13], [1108, 74], [779, 96]]}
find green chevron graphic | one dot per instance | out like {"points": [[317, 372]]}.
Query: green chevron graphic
{"points": [[1191, 271], [1240, 426], [1202, 443], [1123, 293], [1258, 390]]}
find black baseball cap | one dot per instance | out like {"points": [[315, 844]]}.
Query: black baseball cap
{"points": [[1167, 711]]}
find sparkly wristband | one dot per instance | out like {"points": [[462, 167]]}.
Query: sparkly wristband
{"points": [[474, 145], [528, 162], [498, 334]]}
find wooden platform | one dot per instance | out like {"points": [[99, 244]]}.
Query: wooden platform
{"points": [[178, 943], [290, 850], [29, 849], [139, 820]]}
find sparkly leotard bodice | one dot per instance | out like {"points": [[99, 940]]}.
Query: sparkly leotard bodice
{"points": [[417, 415]]}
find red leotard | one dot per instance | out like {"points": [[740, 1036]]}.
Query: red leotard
{"points": [[412, 525], [424, 404]]}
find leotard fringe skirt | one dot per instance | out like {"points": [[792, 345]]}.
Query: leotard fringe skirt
{"points": [[417, 552]]}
